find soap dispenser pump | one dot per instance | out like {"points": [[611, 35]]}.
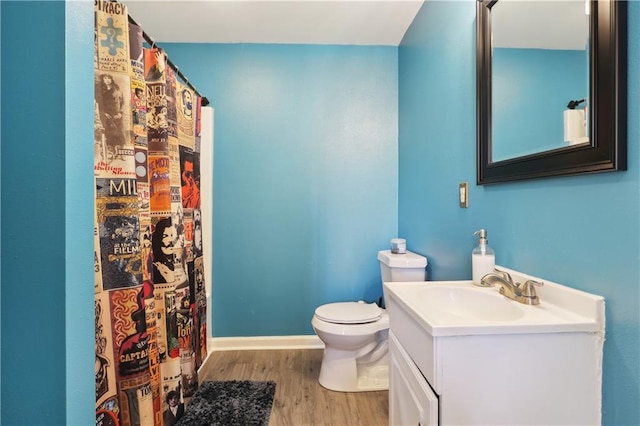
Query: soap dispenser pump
{"points": [[483, 258]]}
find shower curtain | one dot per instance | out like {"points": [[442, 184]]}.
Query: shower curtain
{"points": [[150, 301]]}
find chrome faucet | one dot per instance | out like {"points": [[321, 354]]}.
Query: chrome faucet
{"points": [[523, 293]]}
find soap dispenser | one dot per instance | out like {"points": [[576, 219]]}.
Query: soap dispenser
{"points": [[483, 258]]}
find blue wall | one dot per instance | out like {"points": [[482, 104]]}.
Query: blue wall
{"points": [[79, 202], [33, 228], [581, 231], [532, 88], [47, 213], [305, 177]]}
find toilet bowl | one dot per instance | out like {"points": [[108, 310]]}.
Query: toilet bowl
{"points": [[355, 338], [355, 334]]}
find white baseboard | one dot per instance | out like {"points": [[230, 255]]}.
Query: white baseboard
{"points": [[260, 343], [264, 343], [204, 362]]}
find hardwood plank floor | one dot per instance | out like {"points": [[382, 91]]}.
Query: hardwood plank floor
{"points": [[299, 398]]}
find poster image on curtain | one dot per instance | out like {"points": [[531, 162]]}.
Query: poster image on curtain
{"points": [[154, 355], [188, 236], [139, 108], [174, 169], [197, 233], [130, 337], [138, 85], [157, 122], [113, 145], [199, 301], [112, 36], [190, 178], [164, 237], [141, 166], [186, 115], [171, 327], [170, 93], [159, 185], [159, 293], [130, 332], [136, 39], [172, 401], [144, 205], [178, 220], [123, 389], [145, 248], [119, 243], [140, 141], [106, 389], [120, 253], [184, 321], [137, 403], [154, 65], [117, 211], [168, 249]]}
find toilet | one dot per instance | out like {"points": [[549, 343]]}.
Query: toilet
{"points": [[355, 334]]}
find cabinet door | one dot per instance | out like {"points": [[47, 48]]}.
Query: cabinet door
{"points": [[411, 400]]}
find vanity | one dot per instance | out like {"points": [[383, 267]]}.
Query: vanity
{"points": [[464, 355]]}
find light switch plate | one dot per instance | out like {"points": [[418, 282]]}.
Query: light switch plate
{"points": [[463, 195]]}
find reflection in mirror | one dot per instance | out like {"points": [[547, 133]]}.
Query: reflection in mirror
{"points": [[551, 88], [539, 76]]}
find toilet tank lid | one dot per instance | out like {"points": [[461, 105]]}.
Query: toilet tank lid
{"points": [[407, 260], [349, 312]]}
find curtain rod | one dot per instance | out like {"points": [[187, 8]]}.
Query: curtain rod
{"points": [[152, 42]]}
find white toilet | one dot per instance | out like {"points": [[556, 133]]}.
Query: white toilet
{"points": [[355, 334]]}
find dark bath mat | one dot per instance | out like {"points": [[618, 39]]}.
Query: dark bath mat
{"points": [[230, 403]]}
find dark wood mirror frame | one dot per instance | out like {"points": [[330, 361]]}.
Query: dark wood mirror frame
{"points": [[607, 149]]}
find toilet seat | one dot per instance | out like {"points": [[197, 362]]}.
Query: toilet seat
{"points": [[349, 312]]}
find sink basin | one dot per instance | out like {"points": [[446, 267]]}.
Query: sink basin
{"points": [[469, 302], [449, 308]]}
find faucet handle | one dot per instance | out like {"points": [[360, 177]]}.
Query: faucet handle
{"points": [[528, 290]]}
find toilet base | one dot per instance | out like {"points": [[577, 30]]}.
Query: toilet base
{"points": [[341, 371]]}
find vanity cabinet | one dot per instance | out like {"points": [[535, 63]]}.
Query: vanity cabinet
{"points": [[542, 378], [411, 400]]}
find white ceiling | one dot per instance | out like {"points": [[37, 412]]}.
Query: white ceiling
{"points": [[355, 22]]}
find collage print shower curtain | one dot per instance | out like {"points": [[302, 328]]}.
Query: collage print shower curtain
{"points": [[150, 302]]}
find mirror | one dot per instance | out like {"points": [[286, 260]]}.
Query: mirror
{"points": [[550, 102]]}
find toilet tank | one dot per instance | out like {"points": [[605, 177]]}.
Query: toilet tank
{"points": [[402, 267]]}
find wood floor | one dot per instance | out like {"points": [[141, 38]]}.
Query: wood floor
{"points": [[299, 398]]}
